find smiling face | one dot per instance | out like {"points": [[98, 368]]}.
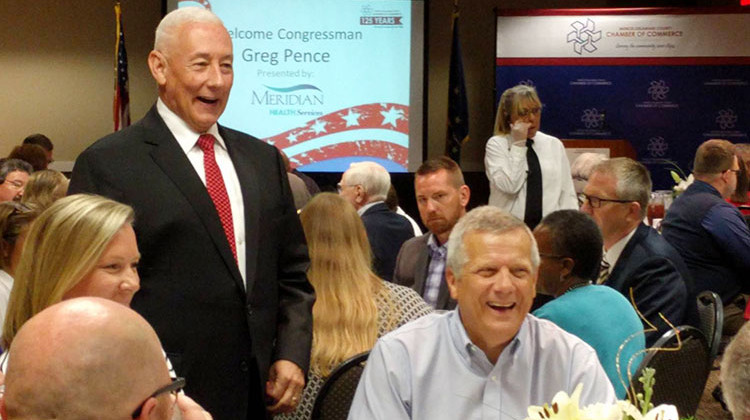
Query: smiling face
{"points": [[12, 188], [195, 73], [440, 203], [115, 275], [496, 288]]}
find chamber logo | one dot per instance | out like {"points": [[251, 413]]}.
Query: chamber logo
{"points": [[726, 119], [658, 90], [583, 36], [592, 118], [657, 146]]}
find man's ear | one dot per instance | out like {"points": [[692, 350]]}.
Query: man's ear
{"points": [[464, 194], [157, 63], [635, 210], [149, 410], [567, 266], [450, 279]]}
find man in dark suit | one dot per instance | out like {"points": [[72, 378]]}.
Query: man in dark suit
{"points": [[635, 255], [365, 185], [223, 255], [442, 196]]}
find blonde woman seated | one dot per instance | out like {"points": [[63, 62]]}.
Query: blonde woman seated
{"points": [[353, 306], [45, 187], [14, 221], [82, 245]]}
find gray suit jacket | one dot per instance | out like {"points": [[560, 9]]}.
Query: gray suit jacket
{"points": [[411, 270]]}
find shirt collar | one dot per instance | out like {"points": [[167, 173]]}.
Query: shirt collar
{"points": [[364, 208], [469, 350], [614, 252], [186, 137], [434, 247]]}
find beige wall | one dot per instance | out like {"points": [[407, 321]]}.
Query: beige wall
{"points": [[57, 68]]}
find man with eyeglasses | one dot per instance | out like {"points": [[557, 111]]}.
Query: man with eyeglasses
{"points": [[90, 358], [14, 174], [710, 233], [365, 185], [635, 256]]}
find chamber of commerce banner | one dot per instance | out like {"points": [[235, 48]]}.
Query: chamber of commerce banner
{"points": [[664, 79]]}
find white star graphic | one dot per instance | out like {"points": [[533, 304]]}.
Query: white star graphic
{"points": [[392, 116], [292, 138], [319, 127], [352, 118]]}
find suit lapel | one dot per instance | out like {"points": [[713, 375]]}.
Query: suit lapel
{"points": [[245, 167], [640, 232], [172, 160], [420, 267]]}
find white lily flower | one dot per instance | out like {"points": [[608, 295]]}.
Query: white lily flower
{"points": [[563, 407]]}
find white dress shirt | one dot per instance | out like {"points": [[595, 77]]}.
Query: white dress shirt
{"points": [[188, 141], [612, 254], [430, 369], [506, 168]]}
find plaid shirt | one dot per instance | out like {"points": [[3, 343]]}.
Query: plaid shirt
{"points": [[435, 270]]}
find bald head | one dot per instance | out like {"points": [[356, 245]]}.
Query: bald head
{"points": [[86, 358]]}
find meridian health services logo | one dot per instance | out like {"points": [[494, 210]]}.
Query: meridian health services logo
{"points": [[657, 146], [726, 119], [584, 36], [658, 90], [297, 95]]}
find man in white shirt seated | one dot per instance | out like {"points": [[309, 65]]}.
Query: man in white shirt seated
{"points": [[91, 358], [487, 359]]}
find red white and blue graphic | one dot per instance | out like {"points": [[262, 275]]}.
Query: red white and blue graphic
{"points": [[326, 81]]}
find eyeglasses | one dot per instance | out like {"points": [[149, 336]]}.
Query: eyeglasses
{"points": [[736, 171], [596, 202], [16, 185], [174, 388], [525, 112], [340, 186]]}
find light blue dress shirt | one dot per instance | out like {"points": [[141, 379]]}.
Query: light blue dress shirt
{"points": [[429, 369]]}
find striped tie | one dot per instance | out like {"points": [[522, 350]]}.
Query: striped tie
{"points": [[603, 272]]}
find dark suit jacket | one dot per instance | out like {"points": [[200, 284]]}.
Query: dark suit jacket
{"points": [[211, 326], [386, 231], [411, 270], [658, 276]]}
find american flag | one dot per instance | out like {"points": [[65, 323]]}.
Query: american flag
{"points": [[458, 105], [121, 106], [377, 130]]}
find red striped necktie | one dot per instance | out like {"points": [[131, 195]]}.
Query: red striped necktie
{"points": [[216, 188]]}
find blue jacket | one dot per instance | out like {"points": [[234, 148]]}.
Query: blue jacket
{"points": [[659, 278], [719, 260]]}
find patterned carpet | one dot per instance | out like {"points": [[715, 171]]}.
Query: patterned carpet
{"points": [[709, 408]]}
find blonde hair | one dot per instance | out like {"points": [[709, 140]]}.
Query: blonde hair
{"points": [[345, 315], [510, 102], [62, 246], [45, 187]]}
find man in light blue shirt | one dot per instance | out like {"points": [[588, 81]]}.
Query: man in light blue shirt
{"points": [[488, 359]]}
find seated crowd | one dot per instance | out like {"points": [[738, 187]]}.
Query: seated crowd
{"points": [[233, 241], [612, 278]]}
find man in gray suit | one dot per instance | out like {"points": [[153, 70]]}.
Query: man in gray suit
{"points": [[442, 197]]}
